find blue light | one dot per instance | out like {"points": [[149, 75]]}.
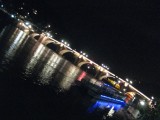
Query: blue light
{"points": [[104, 105], [106, 85], [112, 99]]}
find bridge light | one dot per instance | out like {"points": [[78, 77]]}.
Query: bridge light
{"points": [[91, 62], [35, 11], [12, 16], [142, 102], [47, 34], [62, 41], [130, 82], [152, 98], [125, 84], [27, 23], [124, 89], [86, 55], [127, 79], [49, 26], [29, 26]]}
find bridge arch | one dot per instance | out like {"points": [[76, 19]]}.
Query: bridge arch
{"points": [[69, 55], [88, 68], [35, 36], [53, 46], [48, 41], [62, 52], [83, 63], [103, 77]]}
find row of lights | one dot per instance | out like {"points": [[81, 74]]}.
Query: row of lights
{"points": [[105, 66], [129, 81], [48, 34], [126, 84], [65, 43], [84, 54]]}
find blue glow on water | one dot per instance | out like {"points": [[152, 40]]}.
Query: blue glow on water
{"points": [[112, 99], [107, 104], [104, 105]]}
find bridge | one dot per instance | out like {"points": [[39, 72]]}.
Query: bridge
{"points": [[79, 59], [103, 79]]}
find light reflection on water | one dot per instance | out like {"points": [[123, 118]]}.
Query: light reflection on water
{"points": [[29, 60], [47, 66]]}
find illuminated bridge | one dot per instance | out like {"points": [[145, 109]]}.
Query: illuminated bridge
{"points": [[103, 85]]}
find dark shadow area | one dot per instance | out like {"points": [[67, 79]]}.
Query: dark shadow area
{"points": [[70, 57], [53, 47], [90, 69], [37, 37]]}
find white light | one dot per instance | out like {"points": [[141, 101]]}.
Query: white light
{"points": [[12, 16], [65, 43], [48, 34], [49, 26], [30, 26], [27, 23], [62, 41], [125, 84], [68, 45], [130, 82], [124, 89], [152, 98], [88, 67], [84, 53], [80, 51], [142, 102], [35, 12], [127, 79], [119, 81], [2, 6]]}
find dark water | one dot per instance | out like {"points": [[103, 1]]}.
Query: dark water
{"points": [[37, 84]]}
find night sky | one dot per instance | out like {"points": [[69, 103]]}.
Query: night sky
{"points": [[123, 34]]}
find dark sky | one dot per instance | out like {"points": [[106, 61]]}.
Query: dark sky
{"points": [[123, 34]]}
